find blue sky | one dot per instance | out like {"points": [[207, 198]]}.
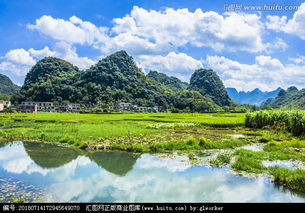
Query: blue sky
{"points": [[248, 48]]}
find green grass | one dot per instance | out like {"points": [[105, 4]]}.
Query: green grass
{"points": [[224, 144], [247, 164], [222, 159], [293, 179], [286, 155], [251, 162], [280, 145], [271, 155], [189, 144], [261, 155], [209, 119], [82, 130]]}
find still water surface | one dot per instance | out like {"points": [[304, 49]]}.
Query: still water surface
{"points": [[63, 174]]}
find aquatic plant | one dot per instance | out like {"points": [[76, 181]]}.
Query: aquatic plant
{"points": [[281, 145], [223, 144], [222, 159], [248, 164], [293, 179]]}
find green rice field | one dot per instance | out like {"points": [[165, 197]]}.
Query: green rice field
{"points": [[72, 127]]}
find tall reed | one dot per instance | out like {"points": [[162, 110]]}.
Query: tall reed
{"points": [[294, 120]]}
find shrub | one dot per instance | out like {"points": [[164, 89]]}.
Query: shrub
{"points": [[191, 141], [75, 143], [9, 110], [67, 139], [155, 148], [202, 141], [42, 136], [135, 148], [83, 145]]}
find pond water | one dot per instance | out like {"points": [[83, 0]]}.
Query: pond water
{"points": [[285, 164], [64, 174]]}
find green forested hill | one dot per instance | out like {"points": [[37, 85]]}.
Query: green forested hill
{"points": [[291, 98], [117, 78], [181, 97], [7, 87], [169, 81], [207, 82], [51, 79]]}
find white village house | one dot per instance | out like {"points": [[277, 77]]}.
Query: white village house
{"points": [[4, 105]]}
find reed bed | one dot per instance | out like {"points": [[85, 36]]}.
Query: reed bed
{"points": [[293, 121]]}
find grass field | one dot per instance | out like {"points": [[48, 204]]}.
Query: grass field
{"points": [[72, 127], [209, 119], [189, 134]]}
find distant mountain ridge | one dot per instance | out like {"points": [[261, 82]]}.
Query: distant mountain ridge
{"points": [[7, 87], [254, 97]]}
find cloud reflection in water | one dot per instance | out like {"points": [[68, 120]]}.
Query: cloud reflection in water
{"points": [[145, 179]]}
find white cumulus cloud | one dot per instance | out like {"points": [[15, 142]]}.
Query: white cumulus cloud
{"points": [[175, 28], [266, 73], [20, 56], [67, 52], [295, 25], [41, 53], [20, 61], [177, 64], [73, 30], [155, 37], [147, 32], [17, 61]]}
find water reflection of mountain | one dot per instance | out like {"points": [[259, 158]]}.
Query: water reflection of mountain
{"points": [[51, 156], [118, 163], [48, 155]]}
